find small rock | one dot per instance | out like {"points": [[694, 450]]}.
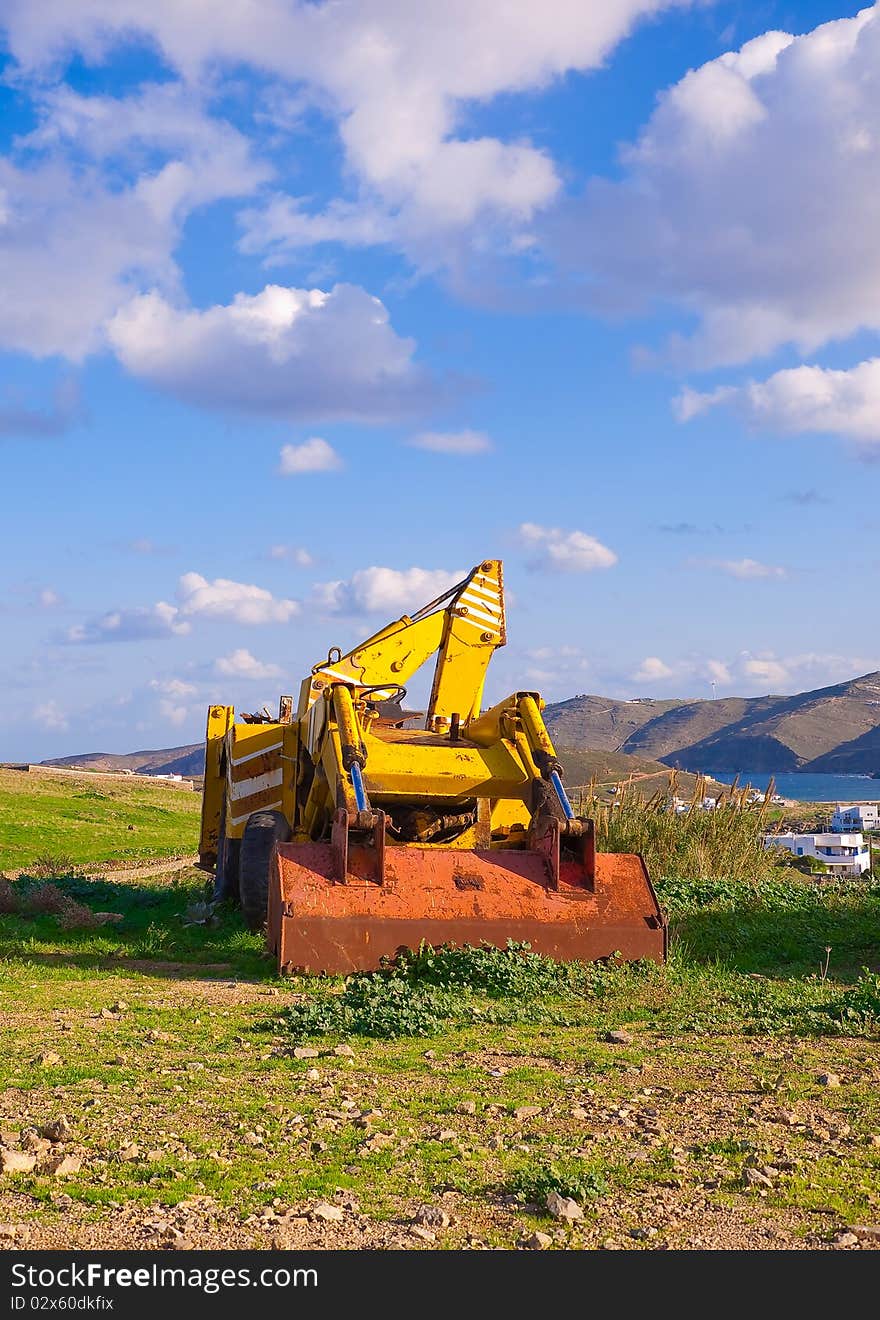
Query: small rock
{"points": [[378, 1141], [467, 1107], [755, 1178], [829, 1079], [305, 1052], [61, 1166], [39, 1145], [430, 1054], [327, 1213], [343, 1051], [526, 1111], [431, 1216], [496, 1141], [446, 1134], [580, 1113], [845, 1239], [16, 1161], [153, 1156], [13, 1233], [118, 1006], [312, 1075], [424, 1233], [130, 1151], [58, 1130], [49, 1060], [252, 1139], [538, 1242], [618, 1037], [874, 1139], [867, 1232], [563, 1207]]}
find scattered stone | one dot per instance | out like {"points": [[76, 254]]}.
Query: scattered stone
{"points": [[61, 1166], [305, 1052], [867, 1232], [343, 1051], [829, 1079], [378, 1141], [431, 1216], [619, 1037], [845, 1239], [39, 1145], [430, 1054], [312, 1075], [467, 1107], [156, 1037], [252, 1139], [424, 1233], [153, 1156], [643, 1234], [526, 1111], [874, 1139], [130, 1151], [13, 1233], [538, 1242], [580, 1113], [49, 1060], [496, 1141], [563, 1207], [446, 1134], [16, 1161], [755, 1178], [58, 1130], [327, 1213], [118, 1006]]}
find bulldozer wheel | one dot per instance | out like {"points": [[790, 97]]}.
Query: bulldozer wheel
{"points": [[225, 884], [263, 830]]}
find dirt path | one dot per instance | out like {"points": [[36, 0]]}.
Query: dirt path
{"points": [[118, 871]]}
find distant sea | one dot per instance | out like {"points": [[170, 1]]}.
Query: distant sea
{"points": [[813, 788]]}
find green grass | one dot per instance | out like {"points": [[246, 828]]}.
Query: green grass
{"points": [[93, 821], [765, 990]]}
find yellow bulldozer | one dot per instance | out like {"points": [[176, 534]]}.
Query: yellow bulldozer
{"points": [[352, 827]]}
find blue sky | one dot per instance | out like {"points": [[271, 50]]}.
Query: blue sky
{"points": [[306, 309]]}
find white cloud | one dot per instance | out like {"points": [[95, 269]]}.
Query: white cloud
{"points": [[771, 670], [49, 715], [84, 223], [802, 399], [558, 551], [651, 669], [143, 623], [398, 80], [384, 590], [297, 554], [225, 599], [241, 664], [745, 569], [284, 351], [314, 455], [49, 598], [452, 442], [751, 199], [172, 713], [173, 687]]}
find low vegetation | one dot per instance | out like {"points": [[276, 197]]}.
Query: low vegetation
{"points": [[83, 819], [728, 1098]]}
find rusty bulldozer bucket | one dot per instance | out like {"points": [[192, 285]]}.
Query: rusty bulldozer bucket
{"points": [[340, 908]]}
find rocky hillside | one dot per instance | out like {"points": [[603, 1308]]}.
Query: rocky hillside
{"points": [[189, 760], [829, 730]]}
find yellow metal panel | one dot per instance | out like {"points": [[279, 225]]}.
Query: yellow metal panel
{"points": [[411, 770], [219, 722]]}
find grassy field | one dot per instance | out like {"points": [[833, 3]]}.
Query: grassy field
{"points": [[210, 1103], [92, 820]]}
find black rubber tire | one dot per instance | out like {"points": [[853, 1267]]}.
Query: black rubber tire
{"points": [[263, 830], [225, 886]]}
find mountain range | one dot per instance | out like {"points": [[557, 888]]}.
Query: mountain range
{"points": [[831, 730]]}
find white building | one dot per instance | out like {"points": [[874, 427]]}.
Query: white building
{"points": [[843, 854], [856, 816]]}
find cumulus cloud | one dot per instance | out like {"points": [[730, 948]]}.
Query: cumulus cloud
{"points": [[745, 569], [557, 551], [141, 624], [49, 715], [296, 554], [173, 687], [397, 82], [750, 200], [384, 590], [241, 664], [314, 455], [49, 598], [85, 221], [802, 399], [285, 351], [452, 442], [652, 668], [225, 599]]}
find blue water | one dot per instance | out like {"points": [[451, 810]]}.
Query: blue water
{"points": [[813, 788]]}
